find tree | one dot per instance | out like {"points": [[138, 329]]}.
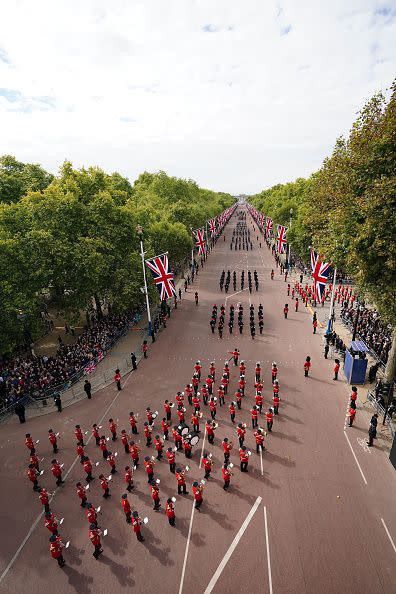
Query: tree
{"points": [[17, 178]]}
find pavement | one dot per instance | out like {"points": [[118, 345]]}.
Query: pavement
{"points": [[316, 513]]}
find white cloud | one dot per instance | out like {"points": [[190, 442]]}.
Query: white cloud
{"points": [[238, 96]]}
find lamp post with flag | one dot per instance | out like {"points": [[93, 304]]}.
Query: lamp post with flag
{"points": [[139, 231], [288, 244]]}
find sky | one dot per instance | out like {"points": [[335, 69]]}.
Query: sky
{"points": [[237, 95]]}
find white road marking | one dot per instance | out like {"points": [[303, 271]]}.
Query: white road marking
{"points": [[388, 533], [37, 520], [261, 462], [268, 552], [202, 450], [232, 294], [363, 444], [232, 547], [186, 551], [354, 455]]}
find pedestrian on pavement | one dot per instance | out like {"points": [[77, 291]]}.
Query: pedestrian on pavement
{"points": [[58, 401], [126, 508], [32, 475], [56, 546], [44, 499], [56, 470], [94, 536], [244, 458], [113, 429], [226, 474], [374, 420], [133, 361], [351, 415], [20, 412], [170, 511], [117, 379], [136, 524], [81, 494], [154, 489], [53, 440], [144, 348], [87, 466], [197, 491], [269, 416], [326, 350], [307, 366], [336, 369], [196, 298], [372, 432], [181, 481], [87, 389], [104, 483], [128, 478]]}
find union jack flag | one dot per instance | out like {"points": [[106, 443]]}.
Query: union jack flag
{"points": [[200, 241], [320, 274], [268, 227], [162, 275], [281, 238], [90, 368], [212, 226], [100, 356]]}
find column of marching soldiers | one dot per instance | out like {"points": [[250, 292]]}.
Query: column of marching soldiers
{"points": [[183, 438]]}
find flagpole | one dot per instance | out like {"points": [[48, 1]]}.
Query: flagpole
{"points": [[330, 322], [291, 218], [192, 255], [150, 325]]}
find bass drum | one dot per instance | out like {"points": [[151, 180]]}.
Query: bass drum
{"points": [[193, 439], [183, 429]]}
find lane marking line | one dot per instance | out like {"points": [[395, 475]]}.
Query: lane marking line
{"points": [[187, 548], [37, 520], [202, 450], [261, 462], [354, 455], [232, 547], [232, 294], [388, 533], [268, 552]]}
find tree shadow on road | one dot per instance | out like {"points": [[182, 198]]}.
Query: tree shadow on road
{"points": [[162, 554], [121, 572], [196, 537], [284, 417], [271, 457], [292, 438], [74, 555], [78, 581], [218, 517], [117, 546]]}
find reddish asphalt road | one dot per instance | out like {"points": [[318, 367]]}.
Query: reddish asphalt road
{"points": [[325, 533]]}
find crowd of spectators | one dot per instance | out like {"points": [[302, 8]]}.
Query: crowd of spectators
{"points": [[35, 376], [370, 329]]}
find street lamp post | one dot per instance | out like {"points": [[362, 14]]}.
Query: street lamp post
{"points": [[290, 225], [139, 231]]}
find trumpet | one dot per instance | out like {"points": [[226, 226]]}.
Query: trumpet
{"points": [[200, 415], [244, 425], [215, 425], [171, 404]]}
